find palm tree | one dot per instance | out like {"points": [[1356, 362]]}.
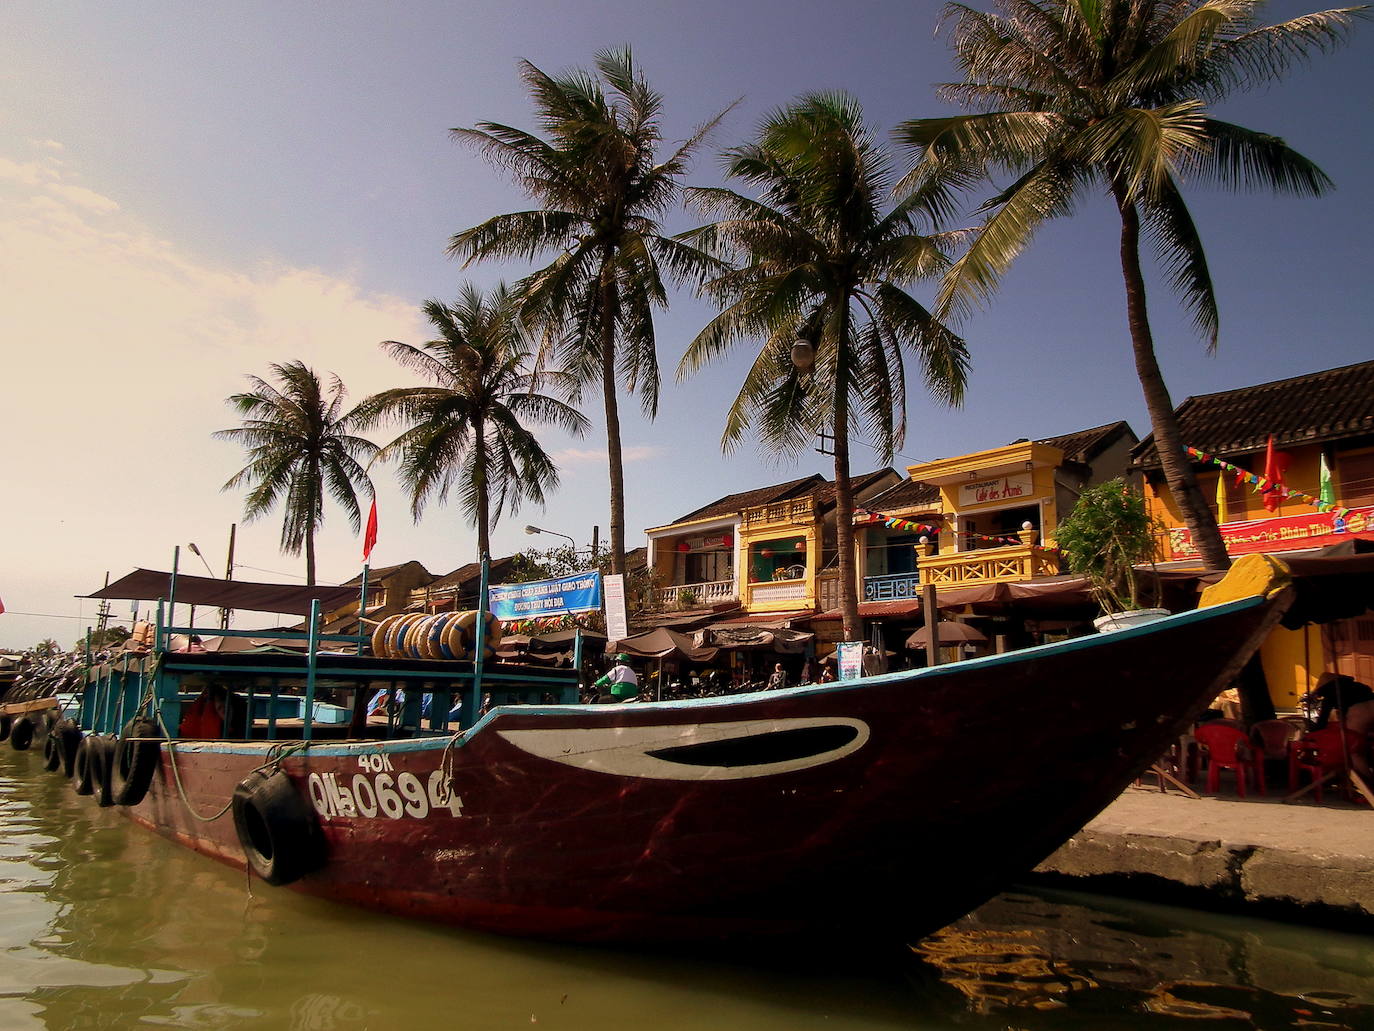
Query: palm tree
{"points": [[1076, 96], [469, 426], [821, 263], [602, 197], [299, 446]]}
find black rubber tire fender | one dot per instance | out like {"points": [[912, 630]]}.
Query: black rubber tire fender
{"points": [[83, 777], [52, 758], [133, 761], [21, 734], [277, 828], [68, 735], [101, 755], [6, 725]]}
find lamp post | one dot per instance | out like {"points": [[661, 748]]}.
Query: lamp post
{"points": [[555, 533], [196, 552]]}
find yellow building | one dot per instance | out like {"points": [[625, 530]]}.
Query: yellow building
{"points": [[1320, 419]]}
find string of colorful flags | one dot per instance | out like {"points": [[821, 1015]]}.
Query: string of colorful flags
{"points": [[1262, 484], [895, 523]]}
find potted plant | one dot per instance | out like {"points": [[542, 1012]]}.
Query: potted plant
{"points": [[1108, 534]]}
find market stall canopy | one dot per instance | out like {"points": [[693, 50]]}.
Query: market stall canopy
{"points": [[755, 638], [1331, 584], [152, 585], [949, 632], [662, 643]]}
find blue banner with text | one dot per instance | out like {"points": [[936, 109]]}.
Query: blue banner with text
{"points": [[579, 592]]}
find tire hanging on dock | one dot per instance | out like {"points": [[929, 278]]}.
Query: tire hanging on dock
{"points": [[99, 752], [21, 734], [277, 828], [68, 736], [134, 760], [83, 777], [52, 758]]}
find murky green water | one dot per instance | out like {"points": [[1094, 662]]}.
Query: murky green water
{"points": [[103, 925]]}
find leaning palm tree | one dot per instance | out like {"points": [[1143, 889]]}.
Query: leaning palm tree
{"points": [[821, 277], [602, 197], [469, 426], [1079, 96], [300, 445]]}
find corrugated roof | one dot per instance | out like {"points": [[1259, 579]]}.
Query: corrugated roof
{"points": [[1311, 409]]}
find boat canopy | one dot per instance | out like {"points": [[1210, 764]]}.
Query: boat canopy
{"points": [[152, 585]]}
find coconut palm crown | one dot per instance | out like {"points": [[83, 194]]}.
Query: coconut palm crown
{"points": [[469, 427], [1076, 97], [300, 445], [602, 195], [822, 262]]}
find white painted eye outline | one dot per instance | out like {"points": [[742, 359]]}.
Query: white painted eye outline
{"points": [[640, 751]]}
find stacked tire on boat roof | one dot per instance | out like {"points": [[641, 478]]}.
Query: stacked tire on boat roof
{"points": [[448, 635]]}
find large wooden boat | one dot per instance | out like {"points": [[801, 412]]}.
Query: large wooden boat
{"points": [[894, 802]]}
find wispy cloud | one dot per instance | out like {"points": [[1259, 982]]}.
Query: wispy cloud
{"points": [[583, 456]]}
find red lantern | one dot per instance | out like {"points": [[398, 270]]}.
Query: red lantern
{"points": [[728, 541], [800, 545], [766, 552], [683, 546]]}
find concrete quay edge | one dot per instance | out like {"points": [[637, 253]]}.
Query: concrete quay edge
{"points": [[1302, 863]]}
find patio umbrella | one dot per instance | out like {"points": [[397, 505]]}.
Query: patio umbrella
{"points": [[950, 632]]}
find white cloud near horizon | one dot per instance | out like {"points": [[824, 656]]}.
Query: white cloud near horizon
{"points": [[585, 456], [122, 346]]}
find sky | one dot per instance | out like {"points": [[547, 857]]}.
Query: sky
{"points": [[191, 192]]}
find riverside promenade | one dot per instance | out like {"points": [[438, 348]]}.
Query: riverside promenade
{"points": [[1300, 862]]}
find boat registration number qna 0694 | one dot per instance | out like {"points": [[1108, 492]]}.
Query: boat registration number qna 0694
{"points": [[382, 795]]}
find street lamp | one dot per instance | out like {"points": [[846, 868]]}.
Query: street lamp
{"points": [[555, 533], [196, 552]]}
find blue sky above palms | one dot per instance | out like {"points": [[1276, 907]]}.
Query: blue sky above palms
{"points": [[190, 192]]}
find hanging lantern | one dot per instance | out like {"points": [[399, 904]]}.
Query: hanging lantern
{"points": [[766, 552], [728, 541], [683, 546], [800, 545]]}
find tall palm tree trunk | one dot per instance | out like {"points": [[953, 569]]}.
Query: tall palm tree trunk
{"points": [[844, 497], [310, 555], [615, 459], [1178, 471], [479, 468]]}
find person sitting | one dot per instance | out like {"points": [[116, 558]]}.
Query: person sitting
{"points": [[216, 713], [621, 679], [1337, 691], [777, 679]]}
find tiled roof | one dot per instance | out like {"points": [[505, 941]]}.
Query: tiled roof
{"points": [[1312, 409], [734, 503], [1085, 445], [381, 574], [825, 493], [907, 494]]}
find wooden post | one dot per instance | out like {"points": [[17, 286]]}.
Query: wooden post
{"points": [[932, 614]]}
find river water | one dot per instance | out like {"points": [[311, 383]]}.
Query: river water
{"points": [[104, 925]]}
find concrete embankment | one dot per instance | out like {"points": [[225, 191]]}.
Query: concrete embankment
{"points": [[1313, 864]]}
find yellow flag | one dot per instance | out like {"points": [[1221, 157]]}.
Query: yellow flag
{"points": [[1221, 499]]}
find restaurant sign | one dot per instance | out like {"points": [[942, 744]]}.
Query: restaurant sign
{"points": [[1285, 533], [580, 592], [1001, 488]]}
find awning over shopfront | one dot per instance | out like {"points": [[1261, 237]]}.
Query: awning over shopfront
{"points": [[662, 643], [755, 638]]}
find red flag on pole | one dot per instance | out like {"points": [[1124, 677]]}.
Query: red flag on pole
{"points": [[2, 606], [370, 535], [1275, 462]]}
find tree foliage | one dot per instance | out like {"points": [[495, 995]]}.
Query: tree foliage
{"points": [[1109, 532]]}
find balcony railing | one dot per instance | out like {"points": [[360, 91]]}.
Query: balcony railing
{"points": [[995, 565], [700, 594], [892, 587], [797, 512]]}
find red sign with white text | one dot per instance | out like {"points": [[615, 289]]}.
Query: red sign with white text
{"points": [[1286, 533]]}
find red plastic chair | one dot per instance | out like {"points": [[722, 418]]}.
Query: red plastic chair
{"points": [[1228, 748], [1271, 737], [1320, 753]]}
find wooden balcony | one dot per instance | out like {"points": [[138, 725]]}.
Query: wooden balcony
{"points": [[995, 565]]}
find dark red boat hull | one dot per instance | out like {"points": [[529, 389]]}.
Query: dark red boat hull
{"points": [[895, 803]]}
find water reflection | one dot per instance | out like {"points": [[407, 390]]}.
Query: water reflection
{"points": [[103, 925]]}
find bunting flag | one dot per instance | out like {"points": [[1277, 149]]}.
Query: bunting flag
{"points": [[1260, 483], [370, 535], [1221, 498], [894, 523]]}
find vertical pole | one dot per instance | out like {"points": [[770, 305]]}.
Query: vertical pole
{"points": [[312, 642], [932, 614], [480, 636], [362, 608], [577, 658], [161, 641], [228, 575]]}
